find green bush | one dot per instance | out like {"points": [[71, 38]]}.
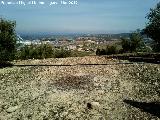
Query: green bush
{"points": [[41, 51], [7, 40], [110, 49], [136, 41], [35, 51], [76, 53], [126, 45], [61, 53], [134, 44]]}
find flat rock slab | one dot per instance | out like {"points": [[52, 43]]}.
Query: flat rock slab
{"points": [[12, 109]]}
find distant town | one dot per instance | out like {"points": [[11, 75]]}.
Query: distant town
{"points": [[79, 42]]}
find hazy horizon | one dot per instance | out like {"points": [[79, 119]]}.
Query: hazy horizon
{"points": [[69, 33], [89, 16]]}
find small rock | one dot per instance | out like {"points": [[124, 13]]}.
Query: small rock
{"points": [[156, 83], [4, 106], [12, 109], [93, 105], [64, 113], [101, 92]]}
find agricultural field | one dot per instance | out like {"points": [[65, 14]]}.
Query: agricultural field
{"points": [[45, 90]]}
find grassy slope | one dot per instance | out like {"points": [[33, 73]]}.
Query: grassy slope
{"points": [[49, 92]]}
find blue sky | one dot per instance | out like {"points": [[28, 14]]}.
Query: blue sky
{"points": [[89, 16]]}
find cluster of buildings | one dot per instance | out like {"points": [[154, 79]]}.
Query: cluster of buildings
{"points": [[79, 43]]}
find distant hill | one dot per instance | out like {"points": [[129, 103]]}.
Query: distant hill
{"points": [[32, 36]]}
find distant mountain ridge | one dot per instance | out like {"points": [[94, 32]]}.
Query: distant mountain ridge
{"points": [[30, 36]]}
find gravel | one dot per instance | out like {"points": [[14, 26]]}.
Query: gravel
{"points": [[65, 92]]}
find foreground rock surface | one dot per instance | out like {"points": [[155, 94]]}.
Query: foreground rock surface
{"points": [[66, 92]]}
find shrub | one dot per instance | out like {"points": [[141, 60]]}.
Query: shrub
{"points": [[98, 51], [62, 53], [35, 51], [134, 43], [41, 51], [7, 40], [125, 45], [110, 49]]}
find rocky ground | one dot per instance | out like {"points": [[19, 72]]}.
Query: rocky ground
{"points": [[79, 92]]}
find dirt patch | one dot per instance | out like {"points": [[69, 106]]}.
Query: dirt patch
{"points": [[75, 82]]}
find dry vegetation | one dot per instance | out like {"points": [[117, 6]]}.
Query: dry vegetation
{"points": [[77, 92]]}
